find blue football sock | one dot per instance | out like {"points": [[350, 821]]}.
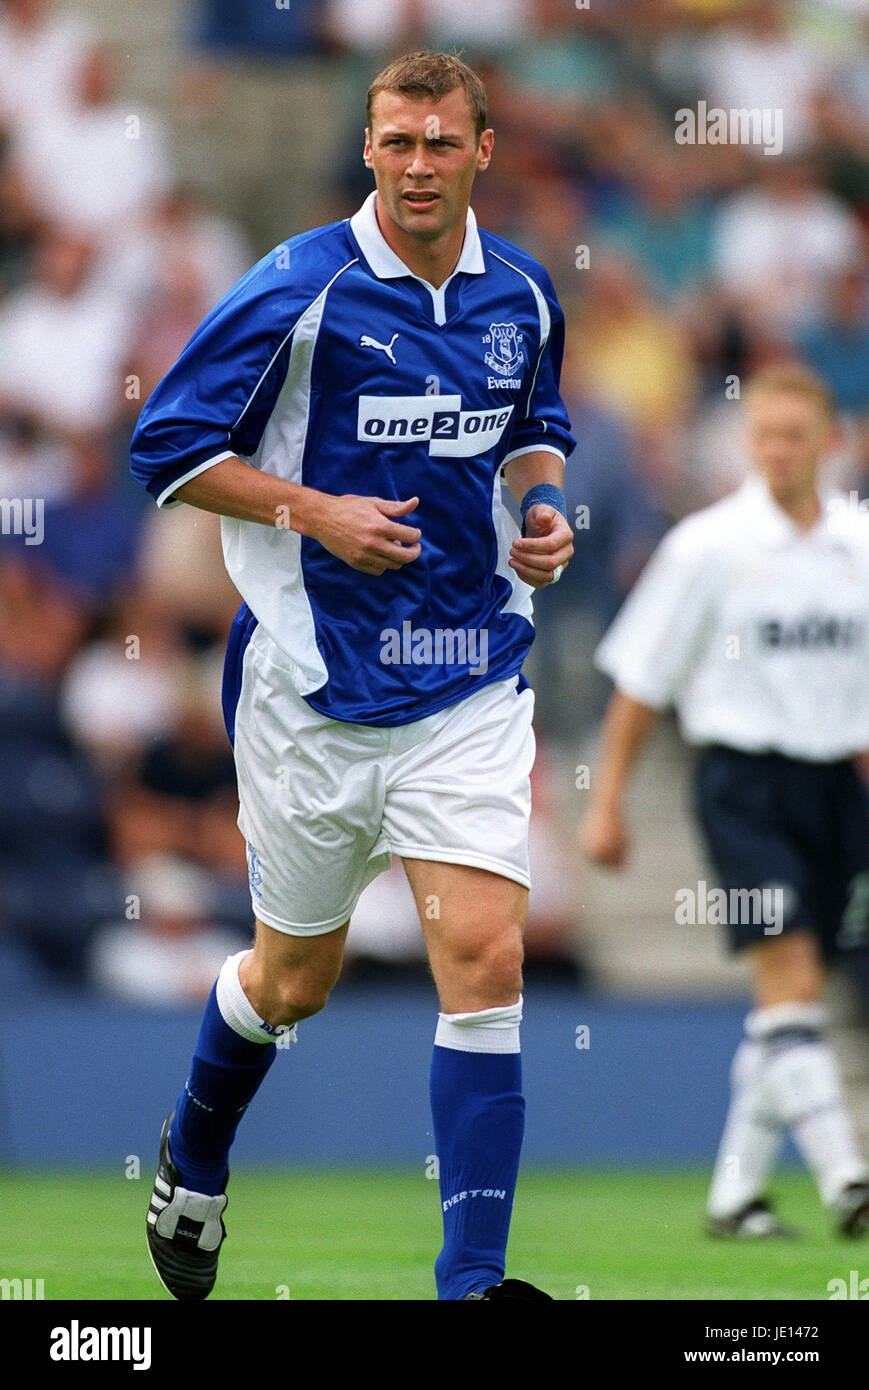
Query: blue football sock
{"points": [[226, 1073], [479, 1122]]}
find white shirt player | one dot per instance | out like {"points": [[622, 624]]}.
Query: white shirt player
{"points": [[756, 631]]}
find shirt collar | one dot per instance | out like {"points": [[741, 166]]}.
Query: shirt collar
{"points": [[773, 524], [388, 266]]}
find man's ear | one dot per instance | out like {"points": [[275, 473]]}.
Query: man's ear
{"points": [[366, 153]]}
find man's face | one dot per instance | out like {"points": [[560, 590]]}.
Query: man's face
{"points": [[788, 436], [425, 155]]}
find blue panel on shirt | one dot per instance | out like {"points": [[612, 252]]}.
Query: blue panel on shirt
{"points": [[420, 409]]}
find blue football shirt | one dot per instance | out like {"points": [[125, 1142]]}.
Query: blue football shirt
{"points": [[331, 365]]}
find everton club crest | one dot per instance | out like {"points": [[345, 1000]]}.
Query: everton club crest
{"points": [[505, 355]]}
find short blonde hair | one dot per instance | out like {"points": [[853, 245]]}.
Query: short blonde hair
{"points": [[791, 378], [432, 75]]}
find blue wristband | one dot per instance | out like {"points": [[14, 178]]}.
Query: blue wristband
{"points": [[546, 493]]}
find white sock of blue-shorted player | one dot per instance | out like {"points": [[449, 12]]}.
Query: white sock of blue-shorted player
{"points": [[234, 1051]]}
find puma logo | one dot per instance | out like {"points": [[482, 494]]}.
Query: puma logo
{"points": [[367, 341]]}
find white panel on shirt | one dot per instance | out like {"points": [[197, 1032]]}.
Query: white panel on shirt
{"points": [[756, 632], [264, 562]]}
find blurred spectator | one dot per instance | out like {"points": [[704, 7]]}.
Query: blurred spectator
{"points": [[99, 165], [91, 536], [616, 526], [761, 63], [635, 359], [842, 149], [173, 951], [715, 451], [852, 70], [573, 61], [41, 621], [123, 691], [616, 523], [181, 570], [664, 230], [184, 259], [33, 464], [277, 30], [41, 54], [63, 339], [549, 215], [426, 23], [181, 796], [780, 244], [18, 225], [836, 344], [56, 882]]}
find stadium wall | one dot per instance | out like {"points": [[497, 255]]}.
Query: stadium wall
{"points": [[89, 1083]]}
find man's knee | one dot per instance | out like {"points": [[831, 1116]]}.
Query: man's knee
{"points": [[302, 998], [492, 973], [284, 988], [289, 996], [505, 965]]}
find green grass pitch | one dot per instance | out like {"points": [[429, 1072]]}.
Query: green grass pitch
{"points": [[372, 1234]]}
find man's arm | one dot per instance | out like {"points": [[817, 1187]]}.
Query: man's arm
{"points": [[357, 530], [548, 539], [208, 413], [602, 832]]}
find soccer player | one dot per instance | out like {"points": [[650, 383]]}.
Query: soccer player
{"points": [[752, 618], [349, 409]]}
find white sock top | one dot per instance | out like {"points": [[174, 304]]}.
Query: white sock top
{"points": [[761, 1022], [488, 1030], [237, 1011]]}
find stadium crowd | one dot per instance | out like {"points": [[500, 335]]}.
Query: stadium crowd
{"points": [[680, 267]]}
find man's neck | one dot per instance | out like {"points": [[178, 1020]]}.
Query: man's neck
{"points": [[803, 507], [433, 261]]}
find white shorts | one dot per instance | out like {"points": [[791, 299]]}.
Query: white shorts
{"points": [[324, 803]]}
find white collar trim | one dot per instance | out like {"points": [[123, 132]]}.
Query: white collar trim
{"points": [[775, 524], [389, 266]]}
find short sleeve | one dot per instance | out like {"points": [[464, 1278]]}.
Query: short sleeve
{"points": [[652, 643]]}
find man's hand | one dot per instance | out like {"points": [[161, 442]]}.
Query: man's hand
{"points": [[360, 531], [603, 836], [547, 543]]}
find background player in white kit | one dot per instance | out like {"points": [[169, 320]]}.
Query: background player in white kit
{"points": [[303, 411], [752, 619]]}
